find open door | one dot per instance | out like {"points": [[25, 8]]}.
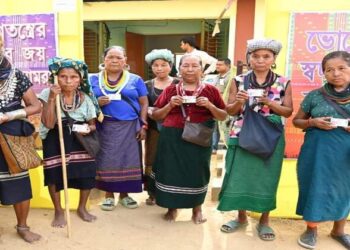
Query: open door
{"points": [[135, 52]]}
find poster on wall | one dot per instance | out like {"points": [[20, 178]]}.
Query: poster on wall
{"points": [[30, 40], [311, 36]]}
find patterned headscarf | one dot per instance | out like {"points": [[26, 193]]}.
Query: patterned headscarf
{"points": [[58, 63]]}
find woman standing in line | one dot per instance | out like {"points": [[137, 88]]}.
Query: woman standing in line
{"points": [[122, 97], [251, 182], [323, 166], [181, 169], [15, 189], [74, 91], [161, 61]]}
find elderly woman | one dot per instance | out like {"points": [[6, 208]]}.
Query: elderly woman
{"points": [[161, 61], [250, 182], [76, 103], [15, 189], [323, 166], [181, 168], [122, 97]]}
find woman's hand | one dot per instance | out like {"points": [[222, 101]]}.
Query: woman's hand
{"points": [[264, 99], [242, 96], [175, 101], [54, 91], [3, 118], [203, 102], [322, 123], [141, 135], [103, 100], [150, 112]]}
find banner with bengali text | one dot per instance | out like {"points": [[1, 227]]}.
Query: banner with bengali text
{"points": [[311, 36], [30, 40]]}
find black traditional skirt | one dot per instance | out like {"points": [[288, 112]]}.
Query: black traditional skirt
{"points": [[14, 188], [81, 167]]}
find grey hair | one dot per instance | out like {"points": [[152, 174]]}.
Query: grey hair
{"points": [[194, 56], [120, 48]]}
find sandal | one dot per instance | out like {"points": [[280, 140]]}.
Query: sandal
{"points": [[265, 232], [128, 202], [342, 239], [308, 239], [232, 226], [108, 204]]}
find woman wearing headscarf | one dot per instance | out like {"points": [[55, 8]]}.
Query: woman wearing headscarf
{"points": [[181, 169], [122, 97], [76, 103], [323, 166], [15, 189], [251, 182], [160, 61]]}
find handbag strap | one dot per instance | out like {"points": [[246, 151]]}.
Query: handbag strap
{"points": [[339, 109]]}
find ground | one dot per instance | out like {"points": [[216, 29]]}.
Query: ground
{"points": [[143, 228]]}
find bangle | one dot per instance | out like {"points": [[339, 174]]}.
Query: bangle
{"points": [[308, 124], [144, 126]]}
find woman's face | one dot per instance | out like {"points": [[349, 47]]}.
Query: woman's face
{"points": [[68, 79], [114, 60], [161, 68], [261, 60], [337, 72], [191, 69]]}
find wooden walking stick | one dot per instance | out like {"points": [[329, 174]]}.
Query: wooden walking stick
{"points": [[63, 158]]}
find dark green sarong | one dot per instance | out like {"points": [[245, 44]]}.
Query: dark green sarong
{"points": [[250, 183], [181, 171]]}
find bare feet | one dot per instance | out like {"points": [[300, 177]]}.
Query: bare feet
{"points": [[85, 215], [197, 216], [150, 201], [59, 220], [25, 233], [170, 215]]}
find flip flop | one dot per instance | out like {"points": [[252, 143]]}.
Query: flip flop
{"points": [[343, 239], [308, 239], [108, 204], [232, 226], [265, 232]]}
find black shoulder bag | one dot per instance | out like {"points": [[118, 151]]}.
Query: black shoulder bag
{"points": [[89, 142], [258, 135]]}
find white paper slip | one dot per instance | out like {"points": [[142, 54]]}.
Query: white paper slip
{"points": [[114, 97], [189, 99], [338, 122], [255, 92], [81, 128]]}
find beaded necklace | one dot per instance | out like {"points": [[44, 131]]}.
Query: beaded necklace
{"points": [[102, 82], [115, 84], [74, 105], [7, 89]]}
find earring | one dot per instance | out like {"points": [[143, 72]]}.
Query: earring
{"points": [[273, 66]]}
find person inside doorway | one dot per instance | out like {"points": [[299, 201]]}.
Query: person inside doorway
{"points": [[188, 45]]}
